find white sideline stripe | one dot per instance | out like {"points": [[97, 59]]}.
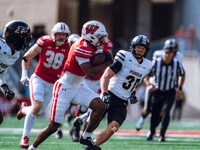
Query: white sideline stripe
{"points": [[66, 131]]}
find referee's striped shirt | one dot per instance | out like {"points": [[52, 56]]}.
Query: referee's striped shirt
{"points": [[166, 75]]}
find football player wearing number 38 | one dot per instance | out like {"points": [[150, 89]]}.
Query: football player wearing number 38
{"points": [[53, 52], [119, 82]]}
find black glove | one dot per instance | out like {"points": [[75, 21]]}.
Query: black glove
{"points": [[108, 56], [7, 92], [133, 99], [106, 99]]}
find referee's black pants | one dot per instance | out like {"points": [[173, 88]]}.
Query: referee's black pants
{"points": [[160, 99]]}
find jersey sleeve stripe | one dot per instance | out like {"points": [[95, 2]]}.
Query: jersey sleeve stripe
{"points": [[82, 53], [83, 50], [121, 54], [40, 42], [119, 58]]}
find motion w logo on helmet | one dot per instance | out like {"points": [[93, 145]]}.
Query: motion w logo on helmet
{"points": [[91, 29]]}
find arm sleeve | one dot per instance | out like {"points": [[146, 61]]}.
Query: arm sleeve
{"points": [[116, 66]]}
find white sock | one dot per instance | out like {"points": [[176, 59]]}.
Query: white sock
{"points": [[28, 123], [141, 119], [59, 129], [26, 109], [86, 134]]}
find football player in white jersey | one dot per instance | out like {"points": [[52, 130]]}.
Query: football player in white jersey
{"points": [[119, 81], [53, 52], [159, 53], [16, 37]]}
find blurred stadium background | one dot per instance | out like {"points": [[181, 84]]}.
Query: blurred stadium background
{"points": [[124, 19]]}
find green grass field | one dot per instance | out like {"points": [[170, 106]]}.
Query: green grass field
{"points": [[11, 132]]}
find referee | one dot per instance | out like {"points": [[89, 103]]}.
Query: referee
{"points": [[169, 78]]}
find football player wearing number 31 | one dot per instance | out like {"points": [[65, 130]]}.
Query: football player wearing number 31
{"points": [[53, 52], [119, 82]]}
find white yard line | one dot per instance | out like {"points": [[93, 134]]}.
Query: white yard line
{"points": [[120, 132]]}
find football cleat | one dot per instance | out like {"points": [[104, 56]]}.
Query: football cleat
{"points": [[89, 142], [59, 134], [87, 148], [78, 122], [150, 136], [162, 139], [24, 142], [20, 115], [74, 132]]}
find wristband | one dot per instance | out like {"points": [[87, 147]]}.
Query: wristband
{"points": [[24, 58], [180, 88], [24, 73], [134, 92]]}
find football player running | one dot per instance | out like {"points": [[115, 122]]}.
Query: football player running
{"points": [[119, 82], [53, 52], [93, 84], [69, 88], [73, 107], [16, 37]]}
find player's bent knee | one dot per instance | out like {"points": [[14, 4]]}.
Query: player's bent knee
{"points": [[53, 126], [114, 129], [97, 105]]}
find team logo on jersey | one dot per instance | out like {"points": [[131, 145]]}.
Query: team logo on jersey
{"points": [[63, 50], [135, 73], [3, 65], [49, 47]]}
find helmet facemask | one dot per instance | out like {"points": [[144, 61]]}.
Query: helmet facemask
{"points": [[138, 56], [60, 41], [60, 27]]}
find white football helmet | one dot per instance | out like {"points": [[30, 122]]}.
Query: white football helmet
{"points": [[73, 38], [60, 27], [95, 33]]}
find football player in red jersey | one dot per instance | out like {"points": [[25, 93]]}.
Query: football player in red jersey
{"points": [[53, 52], [73, 108], [69, 88], [93, 84]]}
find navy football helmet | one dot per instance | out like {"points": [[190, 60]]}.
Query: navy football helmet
{"points": [[140, 40]]}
